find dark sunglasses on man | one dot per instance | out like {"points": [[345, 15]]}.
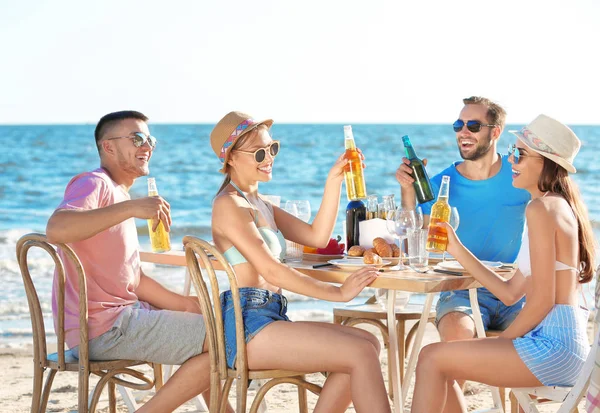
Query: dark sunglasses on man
{"points": [[261, 154], [139, 139], [473, 126]]}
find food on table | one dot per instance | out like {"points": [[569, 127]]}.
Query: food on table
{"points": [[309, 250], [372, 258], [356, 251], [333, 247], [395, 250], [382, 247]]}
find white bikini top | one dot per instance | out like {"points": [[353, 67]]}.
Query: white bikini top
{"points": [[524, 260]]}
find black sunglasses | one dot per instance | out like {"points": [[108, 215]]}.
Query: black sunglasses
{"points": [[472, 125], [261, 154], [139, 139]]}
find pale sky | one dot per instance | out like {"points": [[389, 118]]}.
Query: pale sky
{"points": [[298, 61]]}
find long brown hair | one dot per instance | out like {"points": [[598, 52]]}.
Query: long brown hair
{"points": [[235, 146], [555, 178]]}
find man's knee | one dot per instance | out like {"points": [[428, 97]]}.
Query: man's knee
{"points": [[456, 326]]}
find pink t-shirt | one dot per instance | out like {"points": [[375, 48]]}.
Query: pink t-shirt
{"points": [[110, 259]]}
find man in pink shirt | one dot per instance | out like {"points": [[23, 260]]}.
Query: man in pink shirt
{"points": [[131, 316]]}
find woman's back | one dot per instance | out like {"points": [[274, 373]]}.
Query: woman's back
{"points": [[566, 248]]}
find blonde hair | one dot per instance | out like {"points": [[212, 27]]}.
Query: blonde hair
{"points": [[239, 142]]}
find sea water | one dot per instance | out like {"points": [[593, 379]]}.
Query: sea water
{"points": [[37, 162]]}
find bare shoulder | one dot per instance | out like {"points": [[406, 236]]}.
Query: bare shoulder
{"points": [[229, 209], [547, 211]]}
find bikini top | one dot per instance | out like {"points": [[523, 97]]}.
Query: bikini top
{"points": [[524, 260], [274, 240]]}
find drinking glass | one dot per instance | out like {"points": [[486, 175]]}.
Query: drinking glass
{"points": [[417, 252], [389, 205], [453, 221], [302, 209], [419, 217], [400, 221], [372, 206], [274, 199]]}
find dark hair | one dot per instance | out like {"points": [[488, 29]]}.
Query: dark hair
{"points": [[555, 178], [108, 120], [496, 113], [236, 145]]}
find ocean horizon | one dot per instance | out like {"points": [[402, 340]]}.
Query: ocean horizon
{"points": [[39, 160]]}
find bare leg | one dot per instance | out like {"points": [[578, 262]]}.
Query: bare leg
{"points": [[347, 351], [191, 379], [336, 395], [453, 327], [492, 361]]}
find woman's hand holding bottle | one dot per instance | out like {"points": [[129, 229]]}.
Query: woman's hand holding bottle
{"points": [[454, 246]]}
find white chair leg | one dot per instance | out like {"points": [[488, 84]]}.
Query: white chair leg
{"points": [[128, 398]]}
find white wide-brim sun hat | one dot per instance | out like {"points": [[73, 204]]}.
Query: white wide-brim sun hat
{"points": [[551, 139]]}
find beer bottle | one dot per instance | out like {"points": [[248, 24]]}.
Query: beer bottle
{"points": [[353, 171], [421, 184], [437, 237], [355, 213], [159, 239]]}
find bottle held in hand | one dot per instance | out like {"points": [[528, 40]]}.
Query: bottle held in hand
{"points": [[437, 236], [353, 171], [159, 239], [422, 185]]}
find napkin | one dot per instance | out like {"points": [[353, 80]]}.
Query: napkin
{"points": [[372, 228]]}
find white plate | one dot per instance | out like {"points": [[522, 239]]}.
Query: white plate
{"points": [[353, 264], [455, 265]]}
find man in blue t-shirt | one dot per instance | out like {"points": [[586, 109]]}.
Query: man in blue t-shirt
{"points": [[491, 210]]}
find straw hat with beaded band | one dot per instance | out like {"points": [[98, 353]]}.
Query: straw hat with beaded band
{"points": [[228, 130], [551, 139]]}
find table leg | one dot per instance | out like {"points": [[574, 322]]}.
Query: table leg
{"points": [[481, 334], [416, 347], [394, 364]]}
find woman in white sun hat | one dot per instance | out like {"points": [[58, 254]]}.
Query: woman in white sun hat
{"points": [[547, 343]]}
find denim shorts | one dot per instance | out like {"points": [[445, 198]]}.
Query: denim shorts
{"points": [[495, 315], [259, 309]]}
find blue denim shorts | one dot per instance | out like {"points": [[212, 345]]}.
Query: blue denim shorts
{"points": [[259, 309], [495, 315]]}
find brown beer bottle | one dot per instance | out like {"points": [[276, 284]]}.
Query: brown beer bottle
{"points": [[437, 237]]}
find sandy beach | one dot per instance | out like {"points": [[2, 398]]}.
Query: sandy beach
{"points": [[15, 394]]}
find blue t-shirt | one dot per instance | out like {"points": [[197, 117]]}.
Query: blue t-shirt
{"points": [[491, 211]]}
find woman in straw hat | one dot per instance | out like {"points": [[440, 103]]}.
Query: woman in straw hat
{"points": [[547, 343], [250, 231]]}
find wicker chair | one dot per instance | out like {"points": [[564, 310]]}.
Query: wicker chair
{"points": [[64, 360], [213, 317]]}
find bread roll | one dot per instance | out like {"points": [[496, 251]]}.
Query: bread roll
{"points": [[372, 258], [382, 247], [356, 251], [395, 250]]}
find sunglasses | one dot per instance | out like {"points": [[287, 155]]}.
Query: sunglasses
{"points": [[472, 125], [516, 153], [139, 139], [261, 154]]}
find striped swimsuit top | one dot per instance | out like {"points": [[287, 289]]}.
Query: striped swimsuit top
{"points": [[524, 260], [274, 240]]}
